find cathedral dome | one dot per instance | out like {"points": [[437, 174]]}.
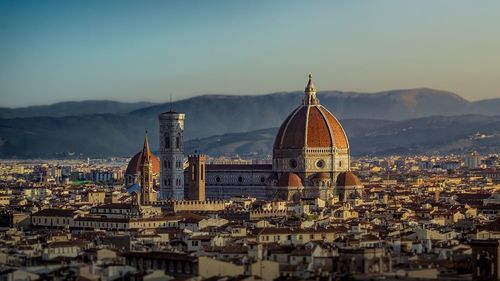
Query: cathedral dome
{"points": [[134, 165], [290, 180], [348, 179], [311, 125]]}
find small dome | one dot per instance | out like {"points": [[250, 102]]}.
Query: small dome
{"points": [[322, 176], [134, 165], [290, 179], [348, 179]]}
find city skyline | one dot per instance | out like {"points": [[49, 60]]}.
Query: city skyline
{"points": [[66, 50], [250, 148]]}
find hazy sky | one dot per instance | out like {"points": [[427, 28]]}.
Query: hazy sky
{"points": [[146, 50]]}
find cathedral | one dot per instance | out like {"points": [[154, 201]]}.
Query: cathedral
{"points": [[311, 159]]}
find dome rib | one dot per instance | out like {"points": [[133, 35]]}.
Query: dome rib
{"points": [[311, 126], [293, 132], [339, 135]]}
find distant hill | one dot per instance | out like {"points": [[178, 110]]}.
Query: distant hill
{"points": [[436, 134], [488, 107], [89, 135], [72, 108], [104, 128], [220, 114], [121, 135]]}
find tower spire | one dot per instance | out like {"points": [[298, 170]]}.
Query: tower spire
{"points": [[145, 149], [310, 93], [147, 194]]}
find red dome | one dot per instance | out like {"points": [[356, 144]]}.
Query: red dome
{"points": [[322, 176], [134, 165], [348, 179], [311, 126], [290, 179]]}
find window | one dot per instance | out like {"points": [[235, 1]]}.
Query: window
{"points": [[293, 163], [240, 179], [168, 164], [217, 179], [202, 171], [177, 142], [167, 141]]}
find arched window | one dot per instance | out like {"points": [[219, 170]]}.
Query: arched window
{"points": [[167, 141]]}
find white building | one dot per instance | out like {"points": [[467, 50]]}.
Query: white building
{"points": [[472, 160], [172, 155]]}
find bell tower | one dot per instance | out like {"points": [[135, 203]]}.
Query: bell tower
{"points": [[196, 174], [172, 155], [147, 193]]}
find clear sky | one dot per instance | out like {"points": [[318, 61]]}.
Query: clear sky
{"points": [[123, 50]]}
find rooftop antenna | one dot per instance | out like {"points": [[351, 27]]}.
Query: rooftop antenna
{"points": [[170, 102]]}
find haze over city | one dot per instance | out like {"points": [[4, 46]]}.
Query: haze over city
{"points": [[54, 51]]}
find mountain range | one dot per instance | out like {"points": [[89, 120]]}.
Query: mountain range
{"points": [[429, 135], [72, 108], [390, 122]]}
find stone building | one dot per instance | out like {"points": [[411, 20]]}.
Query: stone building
{"points": [[312, 144], [172, 155], [310, 151], [196, 178], [148, 194]]}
